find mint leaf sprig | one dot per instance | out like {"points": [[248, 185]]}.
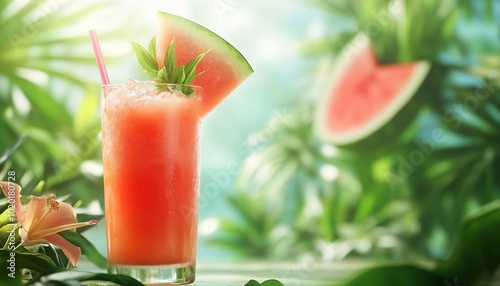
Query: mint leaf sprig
{"points": [[170, 73]]}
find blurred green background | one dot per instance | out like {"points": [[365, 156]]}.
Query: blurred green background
{"points": [[294, 195]]}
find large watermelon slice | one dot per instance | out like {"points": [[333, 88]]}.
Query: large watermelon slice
{"points": [[363, 96], [224, 67]]}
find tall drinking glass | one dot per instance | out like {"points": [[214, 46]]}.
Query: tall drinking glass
{"points": [[150, 141]]}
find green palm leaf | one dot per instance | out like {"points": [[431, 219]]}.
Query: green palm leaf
{"points": [[34, 38]]}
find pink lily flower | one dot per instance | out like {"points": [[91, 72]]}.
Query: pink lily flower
{"points": [[42, 218]]}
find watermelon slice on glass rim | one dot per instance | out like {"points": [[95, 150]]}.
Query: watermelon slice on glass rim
{"points": [[223, 67], [366, 103]]}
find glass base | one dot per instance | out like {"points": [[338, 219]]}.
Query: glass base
{"points": [[174, 274]]}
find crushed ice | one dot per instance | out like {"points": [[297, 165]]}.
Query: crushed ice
{"points": [[141, 91]]}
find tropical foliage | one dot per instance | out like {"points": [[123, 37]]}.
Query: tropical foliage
{"points": [[49, 124], [473, 261], [41, 87], [296, 195], [302, 195]]}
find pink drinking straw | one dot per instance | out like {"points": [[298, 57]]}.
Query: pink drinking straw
{"points": [[98, 57]]}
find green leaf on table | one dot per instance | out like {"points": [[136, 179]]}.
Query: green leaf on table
{"points": [[88, 249], [270, 282], [115, 278], [74, 277]]}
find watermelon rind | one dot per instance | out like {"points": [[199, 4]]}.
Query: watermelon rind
{"points": [[231, 54], [223, 68], [398, 109]]}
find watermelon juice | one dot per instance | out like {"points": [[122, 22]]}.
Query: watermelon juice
{"points": [[151, 177]]}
